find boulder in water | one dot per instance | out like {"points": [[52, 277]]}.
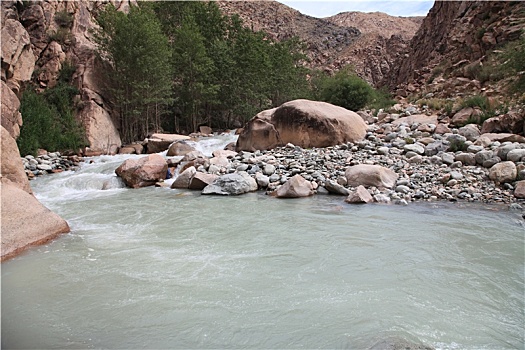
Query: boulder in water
{"points": [[232, 184], [161, 142], [180, 148], [303, 123], [200, 180], [296, 187], [184, 178], [360, 195], [142, 172], [25, 221]]}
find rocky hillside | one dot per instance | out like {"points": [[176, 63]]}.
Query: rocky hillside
{"points": [[43, 36], [454, 41], [368, 41]]}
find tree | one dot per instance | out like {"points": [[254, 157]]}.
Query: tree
{"points": [[139, 55]]}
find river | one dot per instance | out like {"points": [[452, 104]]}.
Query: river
{"points": [[162, 268]]}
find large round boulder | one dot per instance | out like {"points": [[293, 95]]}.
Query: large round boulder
{"points": [[303, 123], [296, 187], [370, 175], [142, 172]]}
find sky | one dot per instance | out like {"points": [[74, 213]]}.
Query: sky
{"points": [[320, 8]]}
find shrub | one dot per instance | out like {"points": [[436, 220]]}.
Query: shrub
{"points": [[347, 90], [49, 122], [62, 36], [63, 19]]}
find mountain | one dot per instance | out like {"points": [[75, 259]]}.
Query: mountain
{"points": [[369, 42], [455, 41]]}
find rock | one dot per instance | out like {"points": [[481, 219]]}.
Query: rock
{"points": [[370, 175], [268, 169], [516, 155], [519, 191], [511, 122], [179, 148], [12, 168], [466, 115], [470, 132], [335, 188], [303, 123], [25, 221], [11, 118], [466, 158], [200, 180], [184, 178], [161, 142], [442, 129], [205, 130], [262, 180], [435, 147], [415, 147], [295, 187], [224, 153], [396, 343], [503, 172], [416, 119], [231, 184], [142, 172], [501, 138], [360, 195], [102, 134]]}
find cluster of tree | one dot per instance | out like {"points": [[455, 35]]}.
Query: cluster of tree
{"points": [[176, 65]]}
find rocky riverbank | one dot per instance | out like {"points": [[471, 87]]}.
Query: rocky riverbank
{"points": [[49, 163]]}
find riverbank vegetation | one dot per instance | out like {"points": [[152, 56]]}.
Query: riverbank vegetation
{"points": [[49, 121], [178, 65]]}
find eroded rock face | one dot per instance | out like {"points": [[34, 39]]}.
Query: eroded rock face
{"points": [[143, 172], [303, 123], [370, 175], [25, 221], [11, 118], [12, 167]]}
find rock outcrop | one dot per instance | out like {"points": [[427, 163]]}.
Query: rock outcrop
{"points": [[303, 123], [26, 222], [34, 36]]}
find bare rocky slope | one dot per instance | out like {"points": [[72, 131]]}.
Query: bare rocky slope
{"points": [[456, 39], [368, 41]]}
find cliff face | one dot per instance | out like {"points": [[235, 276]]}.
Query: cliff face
{"points": [[368, 41], [454, 35], [43, 35]]}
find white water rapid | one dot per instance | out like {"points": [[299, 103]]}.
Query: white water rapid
{"points": [[158, 268]]}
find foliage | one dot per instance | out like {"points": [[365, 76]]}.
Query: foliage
{"points": [[61, 35], [514, 56], [49, 122], [347, 90], [63, 19], [140, 62]]}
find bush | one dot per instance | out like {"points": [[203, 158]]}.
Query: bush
{"points": [[49, 122], [63, 19], [62, 36]]}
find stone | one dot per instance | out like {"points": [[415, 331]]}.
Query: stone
{"points": [[25, 221], [516, 155], [221, 162], [295, 187], [511, 122], [161, 142], [262, 180], [205, 130], [12, 168], [489, 163], [142, 172], [184, 178], [442, 129], [335, 188], [466, 158], [435, 147], [415, 147], [416, 119], [360, 195], [470, 132], [268, 169], [200, 180], [503, 172], [303, 123], [101, 132], [466, 115], [370, 175], [231, 184], [519, 191], [448, 158], [501, 138], [11, 118], [179, 148]]}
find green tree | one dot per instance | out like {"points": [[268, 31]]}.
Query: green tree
{"points": [[139, 55]]}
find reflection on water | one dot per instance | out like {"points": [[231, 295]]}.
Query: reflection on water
{"points": [[161, 268]]}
